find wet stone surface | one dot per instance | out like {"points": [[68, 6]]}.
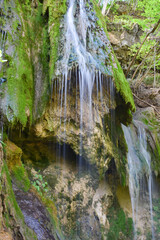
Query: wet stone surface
{"points": [[34, 214]]}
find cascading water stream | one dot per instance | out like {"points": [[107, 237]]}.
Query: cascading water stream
{"points": [[145, 153], [139, 165]]}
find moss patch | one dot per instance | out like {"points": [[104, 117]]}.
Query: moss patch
{"points": [[121, 227], [121, 84], [28, 66], [16, 167]]}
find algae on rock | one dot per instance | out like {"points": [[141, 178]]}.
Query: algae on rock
{"points": [[26, 49]]}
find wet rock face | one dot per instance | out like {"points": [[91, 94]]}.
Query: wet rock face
{"points": [[34, 213]]}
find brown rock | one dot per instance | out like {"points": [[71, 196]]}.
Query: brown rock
{"points": [[5, 236], [113, 39]]}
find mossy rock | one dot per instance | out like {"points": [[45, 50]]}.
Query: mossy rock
{"points": [[16, 167]]}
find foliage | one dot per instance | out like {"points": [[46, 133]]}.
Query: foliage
{"points": [[145, 13], [39, 183], [3, 144], [150, 11]]}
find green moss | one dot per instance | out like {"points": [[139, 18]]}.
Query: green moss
{"points": [[20, 175], [121, 84], [31, 47], [153, 124], [19, 74], [20, 86], [57, 9], [121, 227], [10, 191], [158, 148]]}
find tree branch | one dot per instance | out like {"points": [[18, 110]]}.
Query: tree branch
{"points": [[142, 62], [147, 104]]}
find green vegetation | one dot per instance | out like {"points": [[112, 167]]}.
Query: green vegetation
{"points": [[19, 76], [21, 178], [121, 227], [122, 84], [16, 168], [10, 191], [40, 184], [145, 14]]}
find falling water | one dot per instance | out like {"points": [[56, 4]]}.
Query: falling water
{"points": [[139, 164], [81, 72], [145, 153]]}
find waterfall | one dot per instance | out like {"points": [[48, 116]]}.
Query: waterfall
{"points": [[82, 76], [139, 167]]}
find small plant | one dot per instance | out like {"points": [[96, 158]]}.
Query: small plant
{"points": [[39, 183]]}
